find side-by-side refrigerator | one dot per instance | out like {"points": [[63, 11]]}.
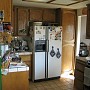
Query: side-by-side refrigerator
{"points": [[47, 52]]}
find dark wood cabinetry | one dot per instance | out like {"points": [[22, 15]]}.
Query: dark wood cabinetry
{"points": [[6, 5], [88, 22], [14, 21], [27, 59], [36, 14], [79, 75], [58, 16], [20, 21], [84, 11], [21, 16], [49, 15]]}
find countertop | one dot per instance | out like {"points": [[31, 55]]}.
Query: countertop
{"points": [[15, 68], [81, 58], [24, 53]]}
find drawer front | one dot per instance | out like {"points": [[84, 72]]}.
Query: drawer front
{"points": [[78, 84], [80, 67], [79, 75]]}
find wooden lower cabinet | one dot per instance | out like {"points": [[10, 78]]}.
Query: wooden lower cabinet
{"points": [[78, 84], [16, 81], [79, 75], [27, 59]]}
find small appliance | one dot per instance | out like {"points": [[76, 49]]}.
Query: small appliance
{"points": [[83, 52]]}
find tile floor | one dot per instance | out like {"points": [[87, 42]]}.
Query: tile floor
{"points": [[57, 84]]}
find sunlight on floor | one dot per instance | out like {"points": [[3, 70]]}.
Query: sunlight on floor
{"points": [[67, 75]]}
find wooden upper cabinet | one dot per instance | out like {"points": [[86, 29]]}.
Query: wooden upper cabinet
{"points": [[84, 11], [88, 22], [58, 16], [14, 21], [36, 14], [49, 15], [22, 15], [22, 20], [6, 5]]}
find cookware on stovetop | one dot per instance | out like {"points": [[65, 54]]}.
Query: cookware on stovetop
{"points": [[83, 52]]}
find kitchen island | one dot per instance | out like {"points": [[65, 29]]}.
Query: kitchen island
{"points": [[16, 79], [79, 72]]}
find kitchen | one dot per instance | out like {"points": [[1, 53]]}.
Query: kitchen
{"points": [[46, 17]]}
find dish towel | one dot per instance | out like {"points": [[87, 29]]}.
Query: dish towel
{"points": [[87, 76]]}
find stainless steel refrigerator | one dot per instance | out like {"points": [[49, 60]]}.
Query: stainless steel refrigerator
{"points": [[47, 52]]}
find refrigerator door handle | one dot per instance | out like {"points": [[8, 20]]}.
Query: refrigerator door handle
{"points": [[47, 45]]}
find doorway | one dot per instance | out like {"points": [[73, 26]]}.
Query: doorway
{"points": [[68, 41]]}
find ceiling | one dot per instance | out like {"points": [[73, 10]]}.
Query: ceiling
{"points": [[74, 4]]}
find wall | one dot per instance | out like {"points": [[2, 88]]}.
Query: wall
{"points": [[81, 32]]}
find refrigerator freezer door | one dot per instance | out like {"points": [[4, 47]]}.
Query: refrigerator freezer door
{"points": [[39, 32], [39, 65]]}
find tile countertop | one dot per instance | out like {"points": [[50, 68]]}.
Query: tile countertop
{"points": [[19, 67], [24, 53], [84, 59], [15, 68]]}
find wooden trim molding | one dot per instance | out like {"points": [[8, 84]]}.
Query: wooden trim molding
{"points": [[50, 2], [77, 2], [84, 11]]}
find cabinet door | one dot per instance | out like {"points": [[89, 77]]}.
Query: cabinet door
{"points": [[36, 14], [79, 74], [78, 84], [58, 16], [27, 59], [84, 11], [49, 15], [80, 66], [88, 23], [23, 17], [6, 5], [14, 21]]}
